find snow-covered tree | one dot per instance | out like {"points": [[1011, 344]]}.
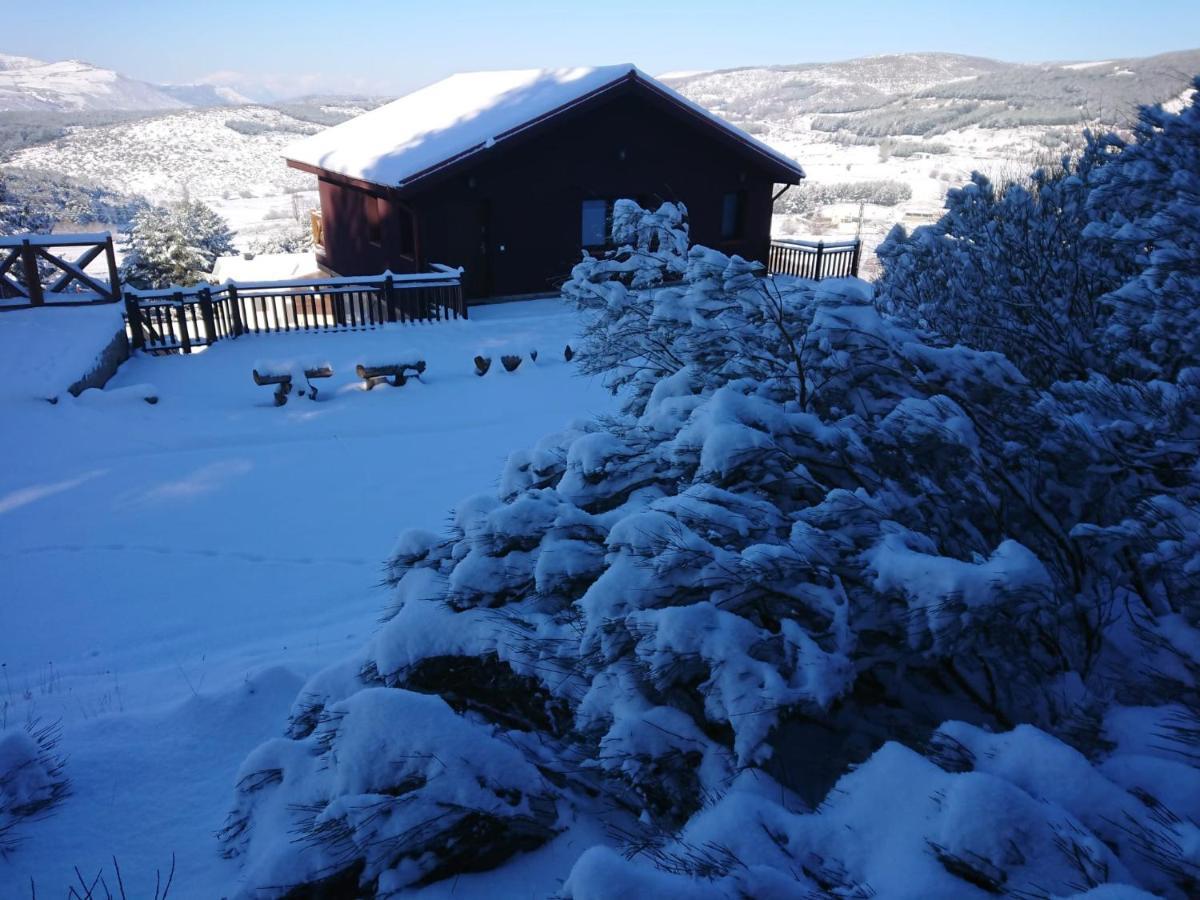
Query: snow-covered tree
{"points": [[1018, 270], [816, 532], [1150, 204], [175, 244]]}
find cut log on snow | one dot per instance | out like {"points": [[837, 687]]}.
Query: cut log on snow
{"points": [[510, 363], [316, 372], [395, 374], [281, 380]]}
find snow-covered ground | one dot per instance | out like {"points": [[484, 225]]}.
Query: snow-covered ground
{"points": [[170, 573]]}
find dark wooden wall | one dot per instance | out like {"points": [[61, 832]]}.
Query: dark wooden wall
{"points": [[512, 219]]}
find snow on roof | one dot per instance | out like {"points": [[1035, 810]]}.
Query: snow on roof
{"points": [[467, 113]]}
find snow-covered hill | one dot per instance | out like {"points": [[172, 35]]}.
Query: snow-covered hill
{"points": [[230, 158], [923, 122], [72, 86]]}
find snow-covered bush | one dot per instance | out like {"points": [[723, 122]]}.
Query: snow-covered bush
{"points": [[295, 238], [1016, 270], [815, 532], [1150, 204], [175, 244], [31, 778]]}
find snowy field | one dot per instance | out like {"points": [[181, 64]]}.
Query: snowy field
{"points": [[221, 550]]}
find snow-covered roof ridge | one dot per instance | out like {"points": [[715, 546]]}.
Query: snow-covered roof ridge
{"points": [[471, 112]]}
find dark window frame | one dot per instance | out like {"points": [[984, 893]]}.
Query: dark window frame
{"points": [[406, 233], [733, 223], [606, 241], [374, 220]]}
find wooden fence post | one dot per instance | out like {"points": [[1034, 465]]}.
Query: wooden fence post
{"points": [[389, 298], [235, 309], [820, 257], [854, 258], [33, 280], [185, 341], [114, 276], [206, 313], [134, 314]]}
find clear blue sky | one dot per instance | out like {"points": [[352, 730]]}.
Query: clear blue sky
{"points": [[389, 46]]}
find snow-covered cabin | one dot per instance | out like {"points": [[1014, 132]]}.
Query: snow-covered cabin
{"points": [[510, 174]]}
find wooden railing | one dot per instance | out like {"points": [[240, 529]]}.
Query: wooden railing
{"points": [[814, 259], [180, 320], [32, 275]]}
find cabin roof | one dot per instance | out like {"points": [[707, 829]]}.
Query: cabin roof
{"points": [[467, 114]]}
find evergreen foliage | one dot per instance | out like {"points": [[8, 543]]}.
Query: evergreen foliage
{"points": [[175, 244]]}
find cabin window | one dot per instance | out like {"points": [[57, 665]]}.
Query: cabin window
{"points": [[374, 220], [732, 215], [406, 232], [595, 218]]}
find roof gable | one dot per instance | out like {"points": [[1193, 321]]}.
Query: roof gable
{"points": [[467, 114]]}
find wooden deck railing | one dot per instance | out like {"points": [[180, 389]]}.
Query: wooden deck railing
{"points": [[32, 275], [814, 259], [179, 320]]}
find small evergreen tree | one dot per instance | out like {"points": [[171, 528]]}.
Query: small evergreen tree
{"points": [[176, 244]]}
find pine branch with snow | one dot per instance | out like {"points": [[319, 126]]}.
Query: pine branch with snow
{"points": [[175, 245]]}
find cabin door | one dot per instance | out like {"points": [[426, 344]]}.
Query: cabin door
{"points": [[479, 265]]}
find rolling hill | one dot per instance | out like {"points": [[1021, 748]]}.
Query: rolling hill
{"points": [[74, 86]]}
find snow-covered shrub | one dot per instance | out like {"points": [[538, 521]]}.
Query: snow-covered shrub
{"points": [[175, 244], [391, 788], [1016, 814], [1017, 270], [31, 778], [814, 533], [1150, 204], [295, 238]]}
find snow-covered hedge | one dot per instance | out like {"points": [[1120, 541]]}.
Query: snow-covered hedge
{"points": [[818, 537]]}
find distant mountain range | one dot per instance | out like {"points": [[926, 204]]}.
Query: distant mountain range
{"points": [[33, 85], [927, 94], [911, 93]]}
